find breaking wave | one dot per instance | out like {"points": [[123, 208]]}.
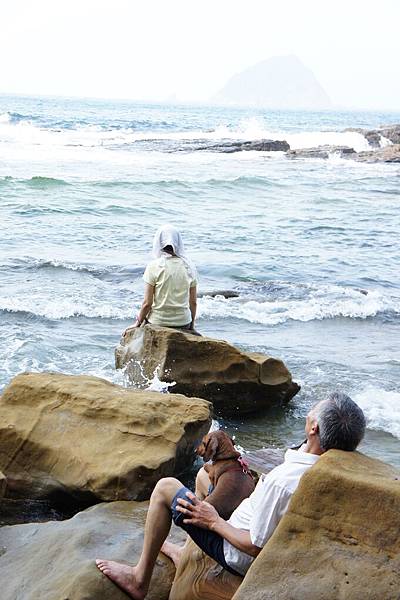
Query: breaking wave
{"points": [[325, 302]]}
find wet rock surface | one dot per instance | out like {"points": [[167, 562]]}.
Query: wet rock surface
{"points": [[84, 439], [199, 577], [235, 382]]}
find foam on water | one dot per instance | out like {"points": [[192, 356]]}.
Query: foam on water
{"points": [[381, 408], [26, 133], [325, 302]]}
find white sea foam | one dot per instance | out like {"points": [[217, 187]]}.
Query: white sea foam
{"points": [[381, 408], [90, 136], [326, 302]]}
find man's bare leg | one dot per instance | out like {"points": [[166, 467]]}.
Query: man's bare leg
{"points": [[174, 551], [135, 581]]}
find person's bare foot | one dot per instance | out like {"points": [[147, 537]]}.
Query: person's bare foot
{"points": [[173, 551], [124, 577]]}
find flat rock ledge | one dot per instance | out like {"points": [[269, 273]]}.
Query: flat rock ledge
{"points": [[236, 382], [84, 438]]}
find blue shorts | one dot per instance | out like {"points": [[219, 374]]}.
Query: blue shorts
{"points": [[210, 542]]}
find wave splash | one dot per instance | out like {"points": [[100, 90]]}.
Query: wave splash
{"points": [[20, 129], [306, 304], [381, 408]]}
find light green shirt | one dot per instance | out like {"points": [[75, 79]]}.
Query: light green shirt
{"points": [[172, 282]]}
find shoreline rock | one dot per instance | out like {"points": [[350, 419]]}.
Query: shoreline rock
{"points": [[236, 382], [81, 437]]}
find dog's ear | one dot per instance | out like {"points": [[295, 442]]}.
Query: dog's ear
{"points": [[211, 448]]}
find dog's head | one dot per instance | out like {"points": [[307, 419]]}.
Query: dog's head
{"points": [[217, 445]]}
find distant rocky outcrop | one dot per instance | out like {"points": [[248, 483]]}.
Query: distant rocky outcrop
{"points": [[338, 539], [388, 154], [235, 382], [83, 437], [55, 560], [255, 146], [281, 82], [374, 136], [321, 152]]}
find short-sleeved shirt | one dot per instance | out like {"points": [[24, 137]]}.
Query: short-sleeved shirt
{"points": [[261, 512], [172, 282]]}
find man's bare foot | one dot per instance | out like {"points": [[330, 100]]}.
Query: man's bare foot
{"points": [[124, 577], [173, 551]]}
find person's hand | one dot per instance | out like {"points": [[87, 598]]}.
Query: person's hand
{"points": [[198, 512], [128, 329]]}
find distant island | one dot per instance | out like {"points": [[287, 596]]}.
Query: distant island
{"points": [[280, 82]]}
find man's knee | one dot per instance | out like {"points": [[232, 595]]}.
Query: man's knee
{"points": [[166, 488]]}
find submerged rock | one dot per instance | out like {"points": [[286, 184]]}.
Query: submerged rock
{"points": [[224, 293], [258, 146], [83, 437], [236, 382], [320, 152], [55, 560], [339, 538]]}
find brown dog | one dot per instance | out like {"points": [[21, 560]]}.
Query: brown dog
{"points": [[231, 482]]}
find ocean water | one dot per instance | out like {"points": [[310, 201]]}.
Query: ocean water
{"points": [[312, 246]]}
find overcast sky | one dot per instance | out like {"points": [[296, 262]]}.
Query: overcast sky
{"points": [[187, 49]]}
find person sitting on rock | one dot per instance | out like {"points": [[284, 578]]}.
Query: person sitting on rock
{"points": [[170, 295], [336, 422]]}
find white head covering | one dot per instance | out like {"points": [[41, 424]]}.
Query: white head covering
{"points": [[168, 235]]}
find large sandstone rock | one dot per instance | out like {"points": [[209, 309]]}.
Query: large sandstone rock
{"points": [[85, 437], [198, 577], [236, 382], [339, 539], [55, 560]]}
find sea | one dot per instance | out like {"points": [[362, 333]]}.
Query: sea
{"points": [[310, 246]]}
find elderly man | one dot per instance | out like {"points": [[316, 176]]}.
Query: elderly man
{"points": [[333, 423]]}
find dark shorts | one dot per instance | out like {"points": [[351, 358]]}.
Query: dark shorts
{"points": [[210, 542]]}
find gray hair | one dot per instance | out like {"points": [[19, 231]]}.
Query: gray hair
{"points": [[341, 423]]}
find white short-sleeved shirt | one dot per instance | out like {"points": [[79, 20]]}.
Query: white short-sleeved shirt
{"points": [[261, 512], [172, 282]]}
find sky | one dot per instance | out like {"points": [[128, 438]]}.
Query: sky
{"points": [[186, 50]]}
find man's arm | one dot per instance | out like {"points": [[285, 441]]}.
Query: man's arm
{"points": [[202, 514]]}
